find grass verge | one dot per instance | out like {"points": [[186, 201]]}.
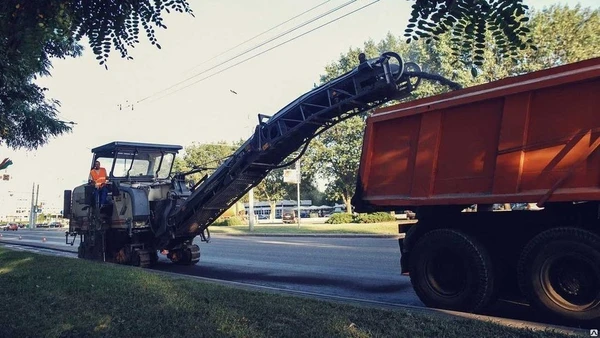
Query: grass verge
{"points": [[387, 228], [45, 296]]}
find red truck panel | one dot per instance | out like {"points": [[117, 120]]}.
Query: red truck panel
{"points": [[530, 138]]}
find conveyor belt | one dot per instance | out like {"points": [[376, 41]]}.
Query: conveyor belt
{"points": [[369, 85]]}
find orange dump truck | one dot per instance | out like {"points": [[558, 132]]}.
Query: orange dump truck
{"points": [[527, 139]]}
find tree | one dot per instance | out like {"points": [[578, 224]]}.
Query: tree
{"points": [[563, 35], [271, 189], [335, 155], [308, 186], [203, 155], [34, 31]]}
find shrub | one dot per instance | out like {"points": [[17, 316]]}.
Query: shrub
{"points": [[234, 220], [376, 217], [219, 223], [339, 218]]}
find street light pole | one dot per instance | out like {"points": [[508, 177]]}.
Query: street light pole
{"points": [[251, 209], [298, 189], [32, 206], [37, 196]]}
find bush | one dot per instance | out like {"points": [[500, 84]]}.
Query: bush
{"points": [[234, 220], [376, 217], [219, 223], [339, 218]]}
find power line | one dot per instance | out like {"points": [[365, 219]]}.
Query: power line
{"points": [[254, 37], [253, 48], [267, 50]]}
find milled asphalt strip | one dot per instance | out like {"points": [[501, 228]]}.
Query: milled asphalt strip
{"points": [[356, 301]]}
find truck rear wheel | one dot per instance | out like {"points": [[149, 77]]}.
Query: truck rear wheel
{"points": [[559, 273], [451, 270]]}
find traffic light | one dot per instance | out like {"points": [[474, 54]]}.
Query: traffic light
{"points": [[5, 163]]}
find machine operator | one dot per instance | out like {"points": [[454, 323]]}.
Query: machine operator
{"points": [[99, 178]]}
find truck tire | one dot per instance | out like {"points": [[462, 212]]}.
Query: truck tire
{"points": [[559, 272], [451, 270]]}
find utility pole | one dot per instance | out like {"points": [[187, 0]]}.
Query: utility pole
{"points": [[31, 221], [37, 196], [298, 189], [251, 209]]}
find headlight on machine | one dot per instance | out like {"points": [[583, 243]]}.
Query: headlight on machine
{"points": [[139, 224]]}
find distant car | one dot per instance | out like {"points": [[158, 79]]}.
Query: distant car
{"points": [[410, 214], [288, 217], [55, 225], [11, 226]]}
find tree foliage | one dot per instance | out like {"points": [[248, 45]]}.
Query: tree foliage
{"points": [[334, 156], [271, 189], [209, 156], [29, 36], [563, 35], [116, 23], [34, 31], [467, 22]]}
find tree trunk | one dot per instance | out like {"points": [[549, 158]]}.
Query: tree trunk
{"points": [[347, 202], [273, 206]]}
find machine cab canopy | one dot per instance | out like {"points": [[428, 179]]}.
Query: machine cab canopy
{"points": [[131, 161]]}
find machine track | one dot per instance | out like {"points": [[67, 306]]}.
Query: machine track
{"points": [[188, 255], [141, 258]]}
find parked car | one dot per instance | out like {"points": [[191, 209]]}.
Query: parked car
{"points": [[56, 225], [11, 226], [288, 217]]}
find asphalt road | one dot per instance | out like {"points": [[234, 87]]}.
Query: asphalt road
{"points": [[360, 268], [365, 268]]}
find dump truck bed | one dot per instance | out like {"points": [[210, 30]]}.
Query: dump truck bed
{"points": [[529, 138]]}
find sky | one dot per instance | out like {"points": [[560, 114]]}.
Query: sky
{"points": [[207, 111]]}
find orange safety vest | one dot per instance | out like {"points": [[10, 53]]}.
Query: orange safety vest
{"points": [[99, 177]]}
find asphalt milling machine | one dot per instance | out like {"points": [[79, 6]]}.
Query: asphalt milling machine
{"points": [[152, 209]]}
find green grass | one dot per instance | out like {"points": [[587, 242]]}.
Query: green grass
{"points": [[387, 228], [45, 296]]}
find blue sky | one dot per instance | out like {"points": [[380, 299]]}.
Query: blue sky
{"points": [[207, 111]]}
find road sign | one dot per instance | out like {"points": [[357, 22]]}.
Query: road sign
{"points": [[290, 176]]}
